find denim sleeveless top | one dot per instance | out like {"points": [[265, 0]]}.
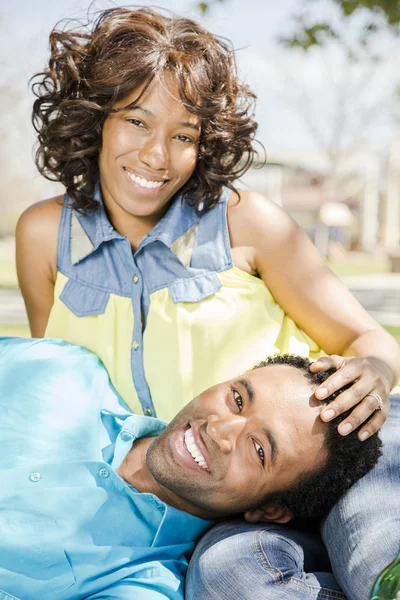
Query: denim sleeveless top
{"points": [[173, 318]]}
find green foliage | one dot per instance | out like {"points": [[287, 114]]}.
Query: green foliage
{"points": [[305, 37], [377, 16], [388, 9], [205, 7]]}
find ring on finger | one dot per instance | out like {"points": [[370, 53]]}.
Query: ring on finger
{"points": [[378, 399]]}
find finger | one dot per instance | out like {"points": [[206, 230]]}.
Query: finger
{"points": [[327, 362], [349, 398], [360, 414], [348, 372], [375, 422]]}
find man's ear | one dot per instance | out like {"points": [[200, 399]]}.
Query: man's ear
{"points": [[270, 513]]}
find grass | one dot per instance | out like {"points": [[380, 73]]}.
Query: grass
{"points": [[343, 267], [14, 329], [8, 272], [352, 267], [10, 329], [395, 331]]}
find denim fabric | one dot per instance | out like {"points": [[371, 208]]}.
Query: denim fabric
{"points": [[362, 531], [239, 561], [98, 261], [243, 561]]}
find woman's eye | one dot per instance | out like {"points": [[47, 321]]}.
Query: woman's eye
{"points": [[185, 138], [135, 122], [238, 399], [260, 451]]}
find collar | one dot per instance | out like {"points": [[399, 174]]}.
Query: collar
{"points": [[177, 526], [88, 232]]}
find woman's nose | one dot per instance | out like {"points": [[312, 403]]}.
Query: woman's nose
{"points": [[224, 431], [154, 153]]}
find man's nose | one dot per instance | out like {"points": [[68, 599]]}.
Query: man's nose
{"points": [[154, 153], [224, 431]]}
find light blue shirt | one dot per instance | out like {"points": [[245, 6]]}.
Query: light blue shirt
{"points": [[70, 527]]}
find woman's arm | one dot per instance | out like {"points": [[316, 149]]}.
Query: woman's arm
{"points": [[36, 256], [308, 291]]}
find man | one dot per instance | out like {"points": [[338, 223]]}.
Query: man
{"points": [[99, 503]]}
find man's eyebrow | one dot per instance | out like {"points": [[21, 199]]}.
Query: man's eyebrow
{"points": [[268, 434], [146, 111], [272, 442]]}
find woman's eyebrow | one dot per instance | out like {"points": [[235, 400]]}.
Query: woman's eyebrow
{"points": [[146, 111]]}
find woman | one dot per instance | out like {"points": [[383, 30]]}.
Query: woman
{"points": [[152, 260]]}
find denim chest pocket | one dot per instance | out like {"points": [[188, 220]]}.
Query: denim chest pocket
{"points": [[83, 299], [194, 289], [33, 563]]}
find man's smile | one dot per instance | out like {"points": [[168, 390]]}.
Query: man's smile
{"points": [[193, 448], [186, 451]]}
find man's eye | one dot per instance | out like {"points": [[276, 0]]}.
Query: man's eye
{"points": [[238, 399], [260, 451]]}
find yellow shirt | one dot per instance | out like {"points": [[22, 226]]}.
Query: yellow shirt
{"points": [[174, 318]]}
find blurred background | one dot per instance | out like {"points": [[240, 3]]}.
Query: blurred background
{"points": [[327, 77]]}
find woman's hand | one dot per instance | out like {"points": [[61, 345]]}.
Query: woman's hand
{"points": [[369, 383]]}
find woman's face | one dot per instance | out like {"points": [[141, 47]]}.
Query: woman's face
{"points": [[148, 152]]}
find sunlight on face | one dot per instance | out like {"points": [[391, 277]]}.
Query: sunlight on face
{"points": [[149, 151], [240, 440]]}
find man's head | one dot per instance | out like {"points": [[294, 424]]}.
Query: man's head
{"points": [[256, 445]]}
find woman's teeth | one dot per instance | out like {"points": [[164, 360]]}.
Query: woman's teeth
{"points": [[144, 182], [193, 449]]}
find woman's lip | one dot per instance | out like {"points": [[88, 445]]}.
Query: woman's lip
{"points": [[182, 454], [145, 175], [150, 192]]}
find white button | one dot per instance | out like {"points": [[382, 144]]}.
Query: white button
{"points": [[104, 473], [126, 436], [34, 477], [135, 279], [148, 412], [135, 345]]}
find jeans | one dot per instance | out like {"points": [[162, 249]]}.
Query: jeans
{"points": [[236, 560]]}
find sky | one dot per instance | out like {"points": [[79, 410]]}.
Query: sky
{"points": [[293, 90]]}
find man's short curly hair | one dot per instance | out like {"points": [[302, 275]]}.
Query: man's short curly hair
{"points": [[91, 68], [348, 459]]}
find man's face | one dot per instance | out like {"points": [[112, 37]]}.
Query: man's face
{"points": [[239, 441]]}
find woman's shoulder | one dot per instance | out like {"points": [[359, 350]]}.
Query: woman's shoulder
{"points": [[251, 214], [41, 218], [37, 233]]}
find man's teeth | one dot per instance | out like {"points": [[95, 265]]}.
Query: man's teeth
{"points": [[144, 182], [193, 449]]}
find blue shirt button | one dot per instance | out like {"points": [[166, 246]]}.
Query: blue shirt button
{"points": [[104, 473], [126, 436], [34, 477], [148, 412]]}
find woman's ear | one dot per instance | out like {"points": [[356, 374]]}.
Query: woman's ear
{"points": [[270, 513]]}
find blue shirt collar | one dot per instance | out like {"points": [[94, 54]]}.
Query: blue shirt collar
{"points": [[177, 527], [94, 229]]}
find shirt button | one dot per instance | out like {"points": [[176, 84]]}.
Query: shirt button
{"points": [[126, 436], [34, 477], [148, 412], [104, 473], [135, 345], [135, 279]]}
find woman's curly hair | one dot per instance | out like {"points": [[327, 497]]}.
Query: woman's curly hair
{"points": [[90, 70]]}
